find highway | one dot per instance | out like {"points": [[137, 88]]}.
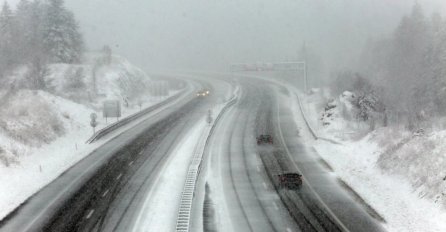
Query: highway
{"points": [[243, 176], [237, 189]]}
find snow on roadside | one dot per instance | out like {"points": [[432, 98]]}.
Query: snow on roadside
{"points": [[43, 133], [356, 162], [391, 196], [40, 165], [163, 210], [159, 210]]}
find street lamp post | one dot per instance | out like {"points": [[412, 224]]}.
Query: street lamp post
{"points": [[305, 77]]}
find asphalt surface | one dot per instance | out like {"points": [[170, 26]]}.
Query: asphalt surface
{"points": [[101, 192], [104, 191], [251, 191]]}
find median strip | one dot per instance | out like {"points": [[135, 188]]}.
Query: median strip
{"points": [[185, 208]]}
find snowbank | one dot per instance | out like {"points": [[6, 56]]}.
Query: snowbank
{"points": [[400, 175], [43, 133]]}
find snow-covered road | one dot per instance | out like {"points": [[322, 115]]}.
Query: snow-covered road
{"points": [[242, 177], [98, 178], [134, 182]]}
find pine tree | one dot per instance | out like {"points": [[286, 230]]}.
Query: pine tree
{"points": [[24, 31], [7, 56], [36, 75], [36, 25], [76, 80], [107, 55], [407, 61], [62, 39]]}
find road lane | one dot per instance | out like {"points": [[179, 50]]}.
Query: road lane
{"points": [[247, 173], [248, 194], [71, 202]]}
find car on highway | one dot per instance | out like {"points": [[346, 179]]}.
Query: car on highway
{"points": [[203, 93], [264, 139], [291, 180]]}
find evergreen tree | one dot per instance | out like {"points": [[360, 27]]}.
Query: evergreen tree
{"points": [[407, 61], [24, 30], [36, 24], [7, 56], [107, 55], [76, 80], [62, 40], [38, 70]]}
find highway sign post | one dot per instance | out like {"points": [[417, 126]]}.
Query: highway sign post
{"points": [[112, 109], [93, 122], [140, 104], [209, 118], [298, 66]]}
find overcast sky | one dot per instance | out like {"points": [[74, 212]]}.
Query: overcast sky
{"points": [[203, 34]]}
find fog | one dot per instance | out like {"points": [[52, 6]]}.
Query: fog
{"points": [[210, 34]]}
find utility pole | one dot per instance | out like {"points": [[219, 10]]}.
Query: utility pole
{"points": [[305, 77], [305, 61]]}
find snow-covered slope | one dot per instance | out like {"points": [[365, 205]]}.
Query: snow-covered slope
{"points": [[400, 174], [34, 118], [42, 133]]}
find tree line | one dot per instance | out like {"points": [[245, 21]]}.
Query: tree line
{"points": [[35, 34], [402, 76]]}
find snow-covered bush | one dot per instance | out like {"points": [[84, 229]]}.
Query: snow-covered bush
{"points": [[329, 112], [6, 158], [366, 103], [75, 80], [28, 119], [422, 160]]}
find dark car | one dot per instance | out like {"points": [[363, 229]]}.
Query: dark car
{"points": [[290, 180], [262, 139]]}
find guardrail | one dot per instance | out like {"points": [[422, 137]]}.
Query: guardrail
{"points": [[313, 133], [305, 118], [106, 130], [185, 209]]}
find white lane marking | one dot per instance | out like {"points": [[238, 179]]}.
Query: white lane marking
{"points": [[275, 206], [105, 193], [61, 193], [90, 214], [94, 165], [265, 186], [130, 164], [288, 230], [287, 151], [119, 177]]}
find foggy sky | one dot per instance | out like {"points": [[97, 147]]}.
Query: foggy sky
{"points": [[210, 34]]}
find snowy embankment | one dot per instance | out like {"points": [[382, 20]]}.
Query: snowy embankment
{"points": [[159, 210], [43, 133], [400, 175]]}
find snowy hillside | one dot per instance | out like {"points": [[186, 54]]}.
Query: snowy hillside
{"points": [[399, 173], [30, 119], [42, 133]]}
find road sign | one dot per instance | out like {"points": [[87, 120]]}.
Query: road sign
{"points": [[298, 66], [112, 109], [93, 122]]}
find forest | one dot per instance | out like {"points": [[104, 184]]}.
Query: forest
{"points": [[401, 79], [35, 34]]}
